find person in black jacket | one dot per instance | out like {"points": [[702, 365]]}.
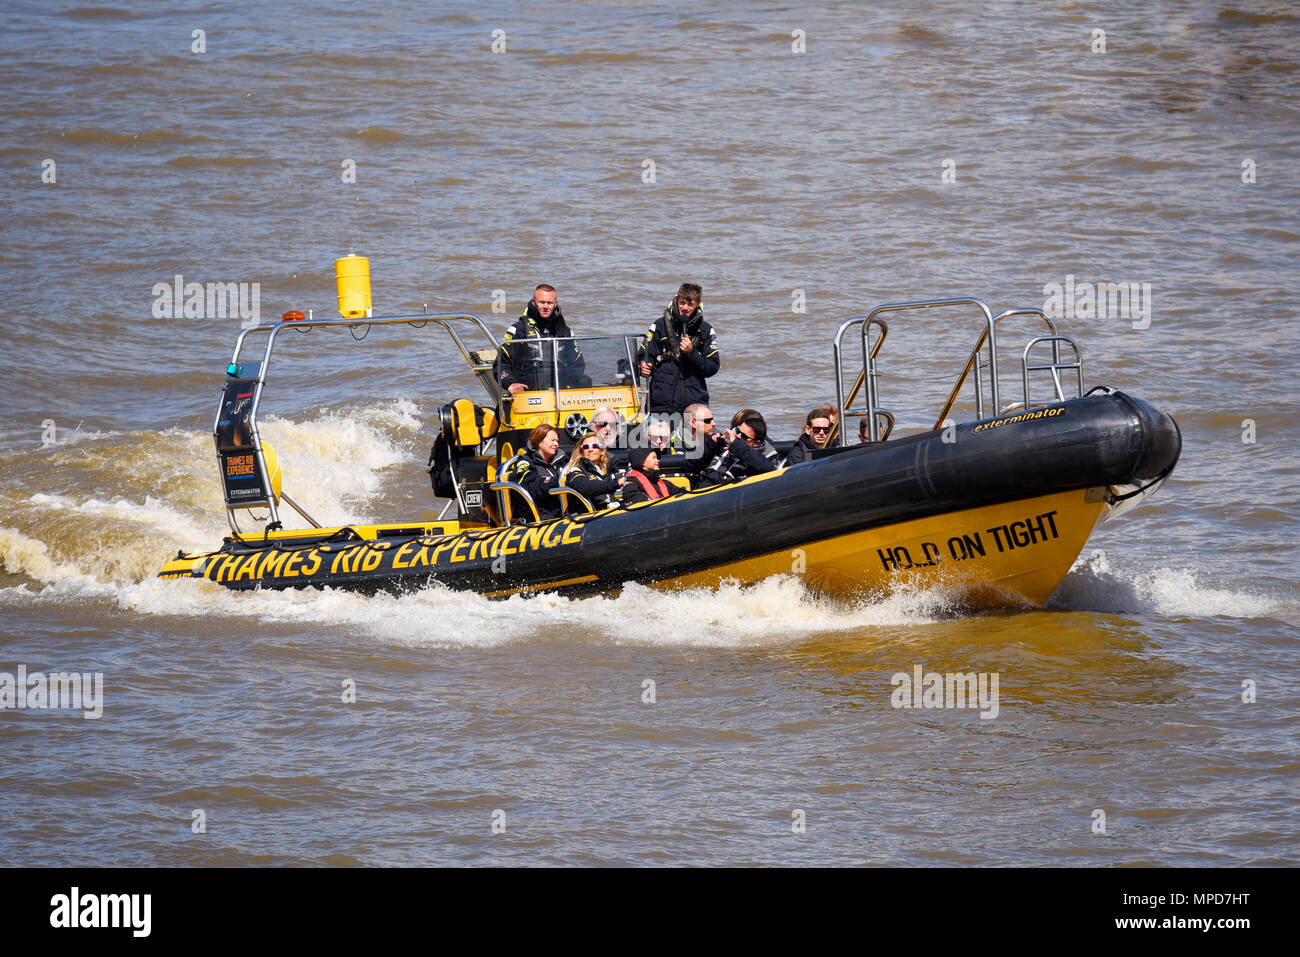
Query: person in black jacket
{"points": [[605, 422], [679, 352], [747, 453], [816, 435], [588, 473], [700, 442], [643, 481], [524, 364], [539, 470]]}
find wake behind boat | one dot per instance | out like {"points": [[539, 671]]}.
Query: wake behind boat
{"points": [[997, 507]]}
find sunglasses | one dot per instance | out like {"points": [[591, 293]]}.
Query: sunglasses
{"points": [[820, 428], [602, 425], [708, 421], [591, 445]]}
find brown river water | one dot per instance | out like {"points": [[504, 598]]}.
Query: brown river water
{"points": [[839, 157]]}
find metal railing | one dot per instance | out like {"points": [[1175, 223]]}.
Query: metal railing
{"points": [[503, 490], [563, 491], [1055, 367], [986, 342], [504, 487], [867, 376], [257, 372], [553, 345], [869, 358]]}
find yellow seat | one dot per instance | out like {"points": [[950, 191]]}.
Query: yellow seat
{"points": [[469, 425], [464, 426]]}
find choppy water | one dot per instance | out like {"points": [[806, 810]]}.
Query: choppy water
{"points": [[775, 172]]}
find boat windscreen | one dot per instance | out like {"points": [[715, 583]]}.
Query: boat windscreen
{"points": [[583, 363]]}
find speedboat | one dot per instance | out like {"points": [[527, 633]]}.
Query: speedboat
{"points": [[996, 506]]}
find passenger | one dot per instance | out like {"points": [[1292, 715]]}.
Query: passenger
{"points": [[864, 430], [659, 436], [643, 481], [768, 450], [539, 470], [701, 443], [747, 453], [605, 423], [524, 365], [765, 447], [816, 435], [588, 473], [679, 352], [741, 416]]}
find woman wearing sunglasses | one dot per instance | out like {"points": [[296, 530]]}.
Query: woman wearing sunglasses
{"points": [[816, 435], [588, 473]]}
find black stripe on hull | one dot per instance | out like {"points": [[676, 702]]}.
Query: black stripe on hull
{"points": [[1101, 440]]}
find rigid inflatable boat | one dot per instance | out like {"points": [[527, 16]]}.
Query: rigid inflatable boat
{"points": [[997, 507]]}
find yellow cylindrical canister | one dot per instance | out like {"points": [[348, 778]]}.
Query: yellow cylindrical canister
{"points": [[352, 274], [272, 469]]}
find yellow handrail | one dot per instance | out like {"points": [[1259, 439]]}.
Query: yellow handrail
{"points": [[961, 380]]}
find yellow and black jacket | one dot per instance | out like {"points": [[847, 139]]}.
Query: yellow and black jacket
{"points": [[678, 378], [526, 360], [539, 477]]}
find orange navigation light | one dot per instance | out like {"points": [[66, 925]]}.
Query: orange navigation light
{"points": [[293, 315]]}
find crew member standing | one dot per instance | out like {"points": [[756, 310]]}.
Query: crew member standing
{"points": [[679, 352], [525, 364]]}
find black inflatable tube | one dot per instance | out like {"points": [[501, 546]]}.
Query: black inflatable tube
{"points": [[1101, 440]]}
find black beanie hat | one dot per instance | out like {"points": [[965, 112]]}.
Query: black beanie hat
{"points": [[637, 458]]}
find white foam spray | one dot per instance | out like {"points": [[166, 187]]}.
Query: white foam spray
{"points": [[1095, 584]]}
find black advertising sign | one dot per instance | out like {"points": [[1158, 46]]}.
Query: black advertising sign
{"points": [[241, 476], [235, 424]]}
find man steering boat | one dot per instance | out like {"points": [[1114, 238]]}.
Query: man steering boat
{"points": [[524, 362]]}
